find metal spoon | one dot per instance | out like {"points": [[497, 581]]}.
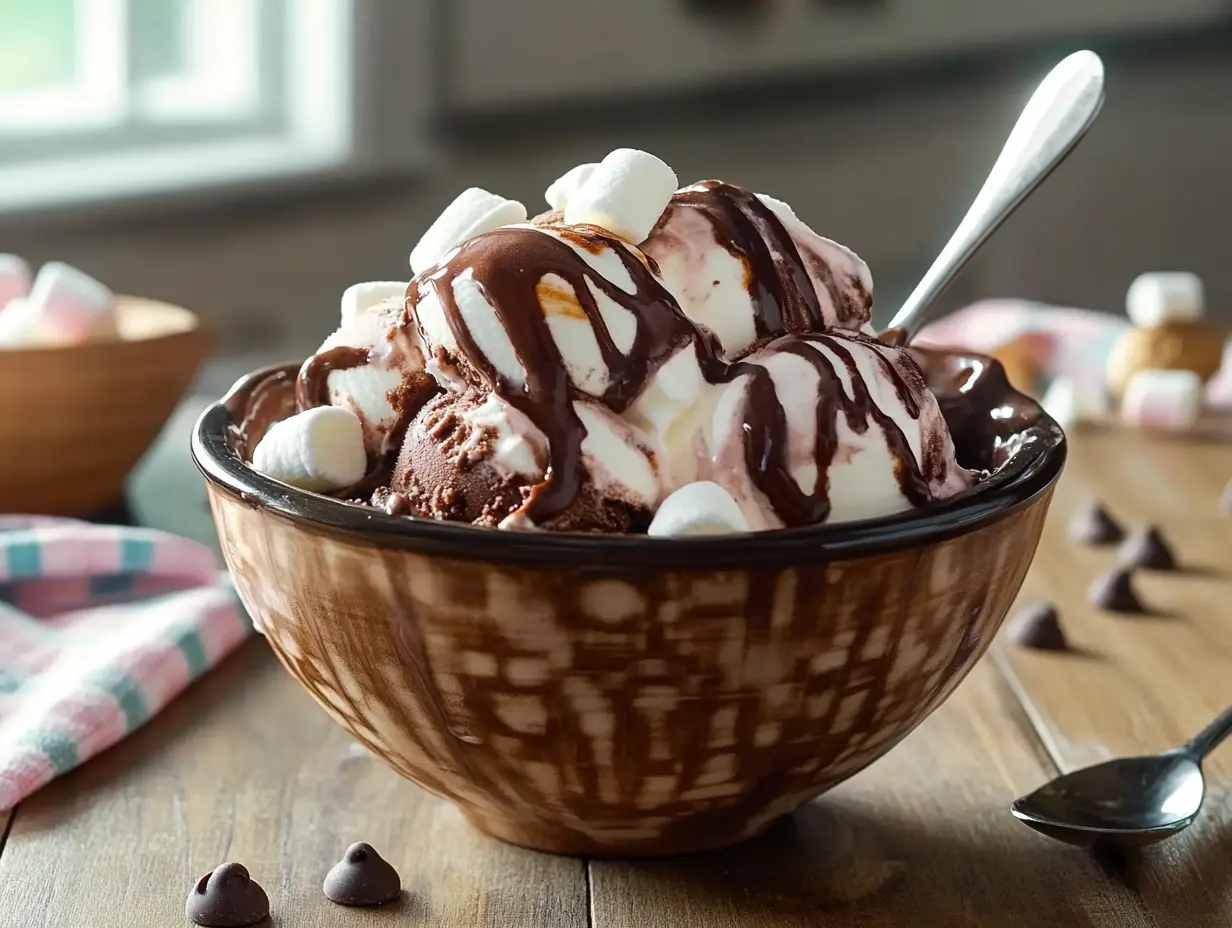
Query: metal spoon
{"points": [[1056, 117], [1133, 801]]}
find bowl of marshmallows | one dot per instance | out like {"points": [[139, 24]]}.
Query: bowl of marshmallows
{"points": [[87, 380]]}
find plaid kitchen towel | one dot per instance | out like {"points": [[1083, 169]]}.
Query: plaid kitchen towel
{"points": [[100, 627]]}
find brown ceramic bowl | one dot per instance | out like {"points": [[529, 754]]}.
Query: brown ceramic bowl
{"points": [[631, 695]]}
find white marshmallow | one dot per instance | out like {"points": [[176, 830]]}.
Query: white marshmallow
{"points": [[1154, 298], [625, 194], [701, 508], [1072, 403], [70, 305], [318, 449], [778, 207], [1162, 399], [564, 187], [472, 213], [358, 299], [14, 278], [19, 326]]}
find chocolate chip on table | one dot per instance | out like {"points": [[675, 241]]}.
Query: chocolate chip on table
{"points": [[1146, 548], [1114, 591], [1038, 627], [227, 897], [362, 877], [1094, 525]]}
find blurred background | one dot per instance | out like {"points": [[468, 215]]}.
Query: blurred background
{"points": [[248, 159]]}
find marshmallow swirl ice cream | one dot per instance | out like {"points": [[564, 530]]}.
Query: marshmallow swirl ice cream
{"points": [[642, 358]]}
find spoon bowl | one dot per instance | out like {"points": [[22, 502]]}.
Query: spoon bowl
{"points": [[1132, 801]]}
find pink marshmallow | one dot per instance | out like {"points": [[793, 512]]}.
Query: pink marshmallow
{"points": [[67, 302], [14, 279], [1161, 399]]}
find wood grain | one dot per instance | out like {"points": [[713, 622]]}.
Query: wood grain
{"points": [[1142, 684], [244, 767], [924, 837]]}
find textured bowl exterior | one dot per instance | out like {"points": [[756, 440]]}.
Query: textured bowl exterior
{"points": [[75, 420], [624, 709]]}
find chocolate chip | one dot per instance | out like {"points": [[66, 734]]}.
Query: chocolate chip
{"points": [[1147, 548], [362, 877], [227, 897], [1114, 591], [1038, 627], [1095, 526]]}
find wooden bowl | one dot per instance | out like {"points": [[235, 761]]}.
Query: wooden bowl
{"points": [[74, 420], [626, 695]]}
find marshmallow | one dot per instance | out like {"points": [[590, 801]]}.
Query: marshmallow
{"points": [[1072, 402], [70, 305], [701, 508], [625, 194], [318, 449], [19, 326], [473, 212], [1162, 399], [358, 299], [14, 278], [1156, 298], [565, 186], [778, 207]]}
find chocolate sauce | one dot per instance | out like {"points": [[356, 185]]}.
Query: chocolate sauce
{"points": [[509, 265], [312, 387], [258, 404], [784, 299]]}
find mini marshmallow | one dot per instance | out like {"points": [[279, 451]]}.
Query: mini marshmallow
{"points": [[472, 213], [565, 186], [1162, 399], [1071, 402], [358, 299], [701, 508], [14, 278], [19, 326], [778, 207], [319, 449], [625, 194], [69, 304], [1154, 298]]}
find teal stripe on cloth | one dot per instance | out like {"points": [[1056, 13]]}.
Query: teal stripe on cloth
{"points": [[59, 750], [189, 643], [136, 555], [110, 584], [127, 692], [25, 559]]}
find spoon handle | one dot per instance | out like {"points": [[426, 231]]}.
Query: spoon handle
{"points": [[1055, 118], [1209, 738]]}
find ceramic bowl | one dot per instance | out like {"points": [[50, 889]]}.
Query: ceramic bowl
{"points": [[635, 696], [74, 420]]}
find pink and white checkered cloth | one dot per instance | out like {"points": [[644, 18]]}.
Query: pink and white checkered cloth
{"points": [[100, 627]]}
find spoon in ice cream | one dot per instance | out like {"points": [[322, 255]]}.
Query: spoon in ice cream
{"points": [[1132, 801], [1055, 119]]}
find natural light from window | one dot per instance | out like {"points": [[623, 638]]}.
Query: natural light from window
{"points": [[106, 98]]}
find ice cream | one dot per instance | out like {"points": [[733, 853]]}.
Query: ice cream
{"points": [[643, 358]]}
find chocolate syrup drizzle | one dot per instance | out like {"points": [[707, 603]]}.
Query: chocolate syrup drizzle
{"points": [[509, 265], [312, 385], [784, 299]]}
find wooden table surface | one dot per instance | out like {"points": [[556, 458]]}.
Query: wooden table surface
{"points": [[244, 767]]}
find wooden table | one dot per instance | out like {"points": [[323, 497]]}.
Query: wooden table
{"points": [[244, 767]]}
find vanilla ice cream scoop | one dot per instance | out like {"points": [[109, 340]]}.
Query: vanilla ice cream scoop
{"points": [[746, 268], [830, 427]]}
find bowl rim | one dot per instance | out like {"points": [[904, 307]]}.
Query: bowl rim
{"points": [[1027, 475]]}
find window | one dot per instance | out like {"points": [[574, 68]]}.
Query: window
{"points": [[102, 98]]}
